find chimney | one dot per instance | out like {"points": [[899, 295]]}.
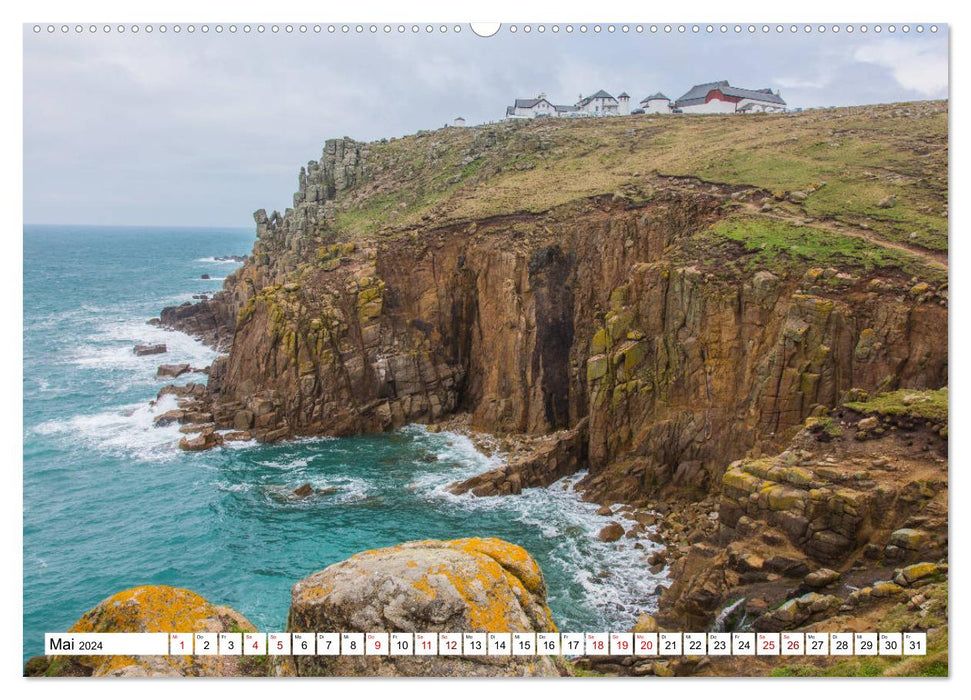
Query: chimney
{"points": [[624, 100]]}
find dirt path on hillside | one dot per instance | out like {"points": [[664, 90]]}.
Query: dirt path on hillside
{"points": [[933, 258]]}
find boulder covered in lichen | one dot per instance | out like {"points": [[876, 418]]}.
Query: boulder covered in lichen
{"points": [[152, 609], [467, 585]]}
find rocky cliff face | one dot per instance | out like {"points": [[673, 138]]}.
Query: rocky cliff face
{"points": [[688, 322], [850, 518]]}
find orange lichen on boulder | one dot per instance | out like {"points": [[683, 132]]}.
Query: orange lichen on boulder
{"points": [[154, 609], [466, 585]]}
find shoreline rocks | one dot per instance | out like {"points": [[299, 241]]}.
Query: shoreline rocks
{"points": [[559, 455], [172, 370], [205, 440], [611, 532]]}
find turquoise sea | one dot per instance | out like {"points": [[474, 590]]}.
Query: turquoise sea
{"points": [[110, 501]]}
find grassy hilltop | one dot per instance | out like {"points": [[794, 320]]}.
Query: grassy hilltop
{"points": [[882, 169]]}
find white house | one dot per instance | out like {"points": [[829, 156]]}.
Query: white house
{"points": [[598, 104], [658, 103], [459, 121], [721, 98], [538, 107]]}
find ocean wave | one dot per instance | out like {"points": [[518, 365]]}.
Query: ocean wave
{"points": [[111, 347], [285, 462], [233, 488], [238, 444], [212, 259], [349, 489], [458, 459], [125, 430]]}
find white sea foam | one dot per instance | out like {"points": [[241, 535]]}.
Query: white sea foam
{"points": [[238, 444], [212, 259], [612, 578], [177, 299], [286, 462], [349, 488], [233, 488], [125, 430], [111, 348]]}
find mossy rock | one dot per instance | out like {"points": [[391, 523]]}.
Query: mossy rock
{"points": [[930, 404], [597, 367]]}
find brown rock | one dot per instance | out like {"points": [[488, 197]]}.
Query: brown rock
{"points": [[611, 532], [206, 440], [303, 491], [169, 417], [142, 350], [243, 420], [646, 624], [821, 578], [176, 370]]}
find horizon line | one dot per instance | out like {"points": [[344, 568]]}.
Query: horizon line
{"points": [[236, 226]]}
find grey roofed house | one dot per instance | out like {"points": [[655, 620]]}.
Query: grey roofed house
{"points": [[528, 103], [763, 94], [596, 95], [698, 93], [623, 94], [565, 108], [656, 96]]}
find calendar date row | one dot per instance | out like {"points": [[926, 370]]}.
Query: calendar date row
{"points": [[490, 644]]}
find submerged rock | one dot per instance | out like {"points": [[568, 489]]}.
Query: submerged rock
{"points": [[157, 349], [468, 585], [303, 491]]}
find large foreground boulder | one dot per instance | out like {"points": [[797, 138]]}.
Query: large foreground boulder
{"points": [[468, 585], [152, 609]]}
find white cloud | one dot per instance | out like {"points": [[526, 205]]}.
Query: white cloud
{"points": [[920, 66]]}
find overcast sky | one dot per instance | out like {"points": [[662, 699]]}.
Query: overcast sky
{"points": [[181, 129]]}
